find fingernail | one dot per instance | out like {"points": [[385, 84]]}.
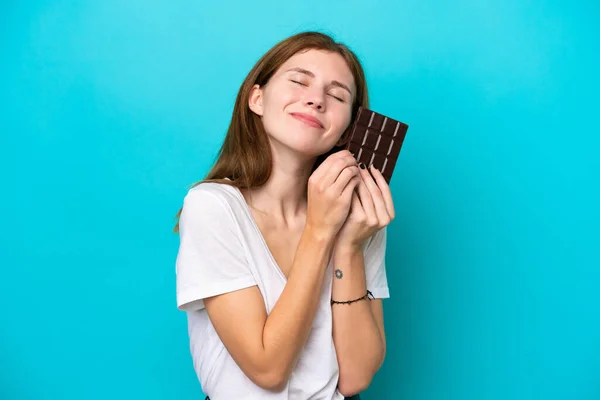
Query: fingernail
{"points": [[362, 166]]}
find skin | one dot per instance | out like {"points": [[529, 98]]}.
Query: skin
{"points": [[305, 218]]}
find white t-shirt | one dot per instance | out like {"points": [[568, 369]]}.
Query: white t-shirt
{"points": [[222, 250]]}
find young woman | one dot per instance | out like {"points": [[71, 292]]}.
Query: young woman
{"points": [[281, 264]]}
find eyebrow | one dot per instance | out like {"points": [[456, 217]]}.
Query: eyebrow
{"points": [[309, 73]]}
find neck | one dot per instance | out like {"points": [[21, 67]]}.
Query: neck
{"points": [[283, 197]]}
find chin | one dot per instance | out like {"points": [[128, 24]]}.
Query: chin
{"points": [[305, 143]]}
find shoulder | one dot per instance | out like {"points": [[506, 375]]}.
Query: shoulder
{"points": [[212, 197], [210, 202], [210, 193]]}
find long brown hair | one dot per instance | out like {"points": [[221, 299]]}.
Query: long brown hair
{"points": [[245, 155]]}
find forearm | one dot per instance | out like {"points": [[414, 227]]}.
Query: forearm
{"points": [[289, 323], [358, 341]]}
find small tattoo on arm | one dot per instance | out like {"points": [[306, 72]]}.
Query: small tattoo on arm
{"points": [[338, 273]]}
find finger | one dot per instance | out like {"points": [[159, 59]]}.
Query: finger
{"points": [[341, 153], [380, 208], [326, 164], [329, 161], [335, 168], [349, 189], [385, 191], [344, 178], [366, 200]]}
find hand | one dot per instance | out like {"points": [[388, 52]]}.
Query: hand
{"points": [[330, 189], [372, 209]]}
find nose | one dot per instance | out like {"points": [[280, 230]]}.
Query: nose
{"points": [[312, 104], [315, 100]]}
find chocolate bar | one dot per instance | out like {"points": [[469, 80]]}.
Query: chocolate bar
{"points": [[375, 139]]}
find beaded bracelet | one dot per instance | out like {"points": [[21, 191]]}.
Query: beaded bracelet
{"points": [[368, 296]]}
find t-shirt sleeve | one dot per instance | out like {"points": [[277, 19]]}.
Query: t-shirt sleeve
{"points": [[211, 259], [374, 257]]}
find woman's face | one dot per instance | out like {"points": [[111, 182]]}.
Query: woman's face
{"points": [[307, 104]]}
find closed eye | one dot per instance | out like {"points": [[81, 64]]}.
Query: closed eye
{"points": [[334, 96], [337, 98]]}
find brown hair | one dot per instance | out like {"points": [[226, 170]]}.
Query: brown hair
{"points": [[245, 155]]}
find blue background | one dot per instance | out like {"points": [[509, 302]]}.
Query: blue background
{"points": [[110, 109]]}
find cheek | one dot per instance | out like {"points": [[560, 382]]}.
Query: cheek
{"points": [[291, 94], [280, 97], [342, 120], [274, 104]]}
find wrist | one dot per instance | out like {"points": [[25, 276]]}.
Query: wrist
{"points": [[319, 236], [349, 258], [348, 249]]}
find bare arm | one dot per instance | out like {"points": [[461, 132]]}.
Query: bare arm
{"points": [[358, 331], [266, 347]]}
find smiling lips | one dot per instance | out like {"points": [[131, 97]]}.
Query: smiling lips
{"points": [[308, 119]]}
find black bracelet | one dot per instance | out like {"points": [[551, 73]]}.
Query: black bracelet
{"points": [[368, 296]]}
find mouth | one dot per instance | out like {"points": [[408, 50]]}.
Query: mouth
{"points": [[308, 120]]}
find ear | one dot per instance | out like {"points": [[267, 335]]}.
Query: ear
{"points": [[255, 100]]}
